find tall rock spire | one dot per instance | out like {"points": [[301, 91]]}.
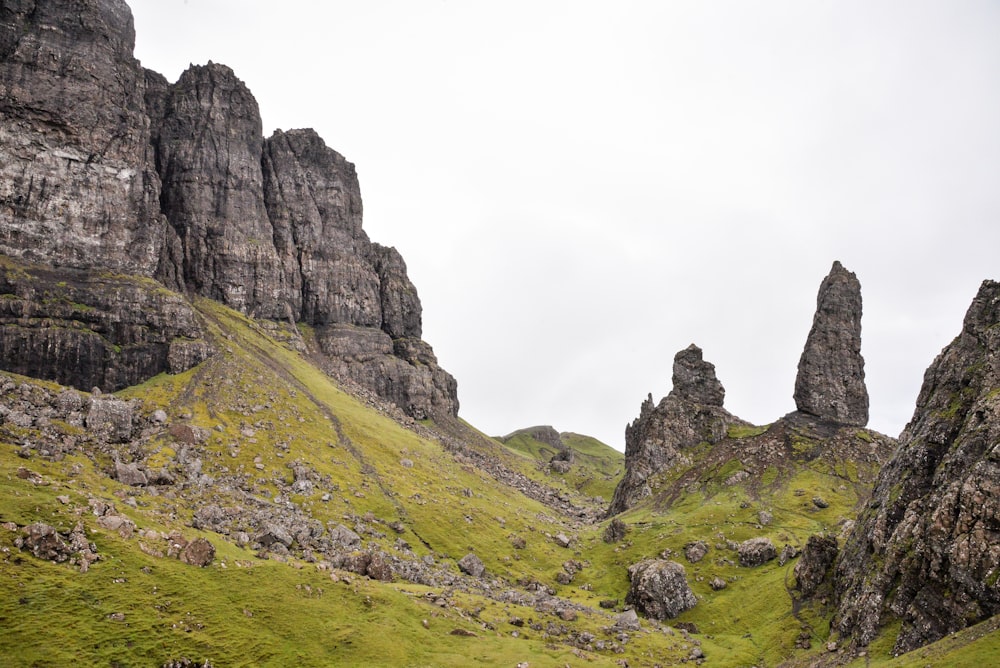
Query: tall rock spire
{"points": [[831, 379]]}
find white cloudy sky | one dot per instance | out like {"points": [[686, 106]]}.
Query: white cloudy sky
{"points": [[580, 189]]}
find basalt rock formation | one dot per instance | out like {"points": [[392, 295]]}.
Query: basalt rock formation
{"points": [[927, 549], [690, 414], [109, 174], [831, 379]]}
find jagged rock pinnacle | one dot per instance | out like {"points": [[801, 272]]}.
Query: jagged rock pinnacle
{"points": [[694, 378], [831, 378], [658, 439]]}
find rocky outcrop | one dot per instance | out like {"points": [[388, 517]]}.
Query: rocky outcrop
{"points": [[659, 589], [690, 414], [90, 329], [831, 380], [927, 549], [813, 569], [108, 168]]}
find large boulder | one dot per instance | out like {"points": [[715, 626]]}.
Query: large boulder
{"points": [[659, 589], [756, 551], [815, 565]]}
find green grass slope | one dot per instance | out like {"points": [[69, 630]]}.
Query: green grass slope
{"points": [[264, 412]]}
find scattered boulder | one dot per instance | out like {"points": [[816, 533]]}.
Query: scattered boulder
{"points": [[756, 551], [470, 564], [43, 541], [562, 540], [111, 417], [717, 584], [343, 537], [615, 531], [199, 552], [628, 621], [817, 560], [696, 551], [130, 474], [659, 589]]}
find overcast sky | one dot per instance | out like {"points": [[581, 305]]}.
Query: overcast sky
{"points": [[581, 189]]}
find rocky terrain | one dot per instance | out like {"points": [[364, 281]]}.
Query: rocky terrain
{"points": [[224, 441], [926, 550]]}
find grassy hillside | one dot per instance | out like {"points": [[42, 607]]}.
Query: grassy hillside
{"points": [[264, 414], [260, 436], [593, 468]]}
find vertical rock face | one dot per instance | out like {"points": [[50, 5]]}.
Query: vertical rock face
{"points": [[79, 201], [692, 413], [927, 550], [77, 182], [831, 378], [207, 134], [313, 201]]}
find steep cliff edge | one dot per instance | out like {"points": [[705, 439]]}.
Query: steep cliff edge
{"points": [[927, 549], [106, 168]]}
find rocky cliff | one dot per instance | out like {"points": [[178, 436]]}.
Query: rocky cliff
{"points": [[690, 414], [108, 169], [927, 549]]}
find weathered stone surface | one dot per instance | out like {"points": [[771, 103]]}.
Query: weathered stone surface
{"points": [[313, 201], [111, 417], [696, 551], [692, 413], [130, 474], [659, 589], [472, 565], [756, 551], [77, 183], [88, 328], [43, 541], [927, 548], [208, 153], [694, 379], [79, 191], [831, 379], [814, 567]]}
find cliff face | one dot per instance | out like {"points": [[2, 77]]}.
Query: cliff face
{"points": [[106, 167], [79, 204], [77, 183], [927, 550]]}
